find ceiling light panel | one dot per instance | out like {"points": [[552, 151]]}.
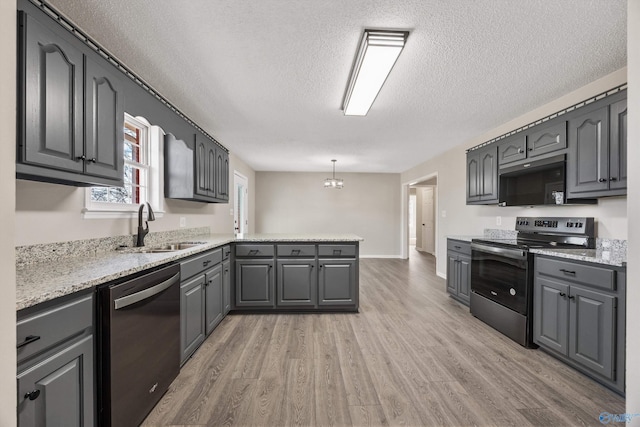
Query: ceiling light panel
{"points": [[376, 56]]}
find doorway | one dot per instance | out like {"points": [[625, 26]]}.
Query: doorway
{"points": [[420, 200], [240, 203]]}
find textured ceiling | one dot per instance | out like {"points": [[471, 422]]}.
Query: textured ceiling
{"points": [[266, 78]]}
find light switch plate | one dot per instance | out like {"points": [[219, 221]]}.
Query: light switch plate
{"points": [[444, 214], [498, 220], [183, 221], [231, 211]]}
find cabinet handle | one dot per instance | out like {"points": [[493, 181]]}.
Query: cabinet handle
{"points": [[458, 247], [81, 158], [573, 273], [602, 180], [320, 266], [32, 395], [572, 297], [520, 150], [530, 149], [93, 160], [562, 294], [613, 178], [205, 263], [28, 340]]}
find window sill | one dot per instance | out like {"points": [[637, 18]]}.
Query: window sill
{"points": [[107, 214]]}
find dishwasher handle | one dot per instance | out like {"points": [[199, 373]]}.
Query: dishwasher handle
{"points": [[147, 293]]}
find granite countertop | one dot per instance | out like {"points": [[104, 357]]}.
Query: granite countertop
{"points": [[617, 258], [464, 238], [42, 281]]}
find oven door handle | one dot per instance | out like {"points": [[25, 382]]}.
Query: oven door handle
{"points": [[508, 253], [144, 294]]}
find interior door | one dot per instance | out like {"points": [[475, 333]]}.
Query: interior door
{"points": [[240, 204], [428, 220]]}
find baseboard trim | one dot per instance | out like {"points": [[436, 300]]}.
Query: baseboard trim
{"points": [[382, 256], [443, 275]]}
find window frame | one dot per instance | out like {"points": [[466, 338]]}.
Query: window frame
{"points": [[154, 142]]}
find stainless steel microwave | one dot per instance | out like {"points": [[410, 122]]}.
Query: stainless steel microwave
{"points": [[539, 182]]}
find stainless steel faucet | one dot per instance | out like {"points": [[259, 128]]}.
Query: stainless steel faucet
{"points": [[141, 230]]}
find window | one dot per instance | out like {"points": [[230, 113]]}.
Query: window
{"points": [[142, 174]]}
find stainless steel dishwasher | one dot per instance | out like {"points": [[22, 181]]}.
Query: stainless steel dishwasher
{"points": [[138, 346]]}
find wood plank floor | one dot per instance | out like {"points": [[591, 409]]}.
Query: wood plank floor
{"points": [[411, 357]]}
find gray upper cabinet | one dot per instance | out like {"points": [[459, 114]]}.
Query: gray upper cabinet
{"points": [[71, 109], [192, 172], [104, 115], [597, 159], [547, 137], [482, 175]]}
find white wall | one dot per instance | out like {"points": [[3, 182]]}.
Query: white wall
{"points": [[633, 210], [7, 191], [610, 213], [368, 205], [48, 213]]}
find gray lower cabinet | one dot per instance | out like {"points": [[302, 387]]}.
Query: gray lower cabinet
{"points": [[459, 270], [336, 282], [226, 286], [579, 317], [255, 280], [597, 158], [297, 276], [71, 109], [201, 299], [192, 332], [214, 299], [55, 375], [297, 282]]}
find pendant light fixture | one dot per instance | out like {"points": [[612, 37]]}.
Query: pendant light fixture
{"points": [[376, 56], [334, 182]]}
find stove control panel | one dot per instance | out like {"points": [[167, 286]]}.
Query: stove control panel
{"points": [[556, 225]]}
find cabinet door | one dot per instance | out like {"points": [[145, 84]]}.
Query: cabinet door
{"points": [[51, 109], [191, 316], [254, 283], [588, 160], [61, 388], [551, 314], [512, 149], [202, 151], [592, 330], [336, 279], [104, 121], [222, 173], [297, 282], [226, 287], [452, 273], [211, 170], [489, 174], [464, 278], [546, 138], [618, 146], [213, 298], [473, 171]]}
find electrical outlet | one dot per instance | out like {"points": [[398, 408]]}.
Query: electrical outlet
{"points": [[498, 220], [231, 211], [183, 221], [444, 214]]}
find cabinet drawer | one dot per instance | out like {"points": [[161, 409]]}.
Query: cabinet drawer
{"points": [[459, 246], [254, 250], [53, 325], [199, 263], [226, 251], [296, 250], [598, 277], [337, 250]]}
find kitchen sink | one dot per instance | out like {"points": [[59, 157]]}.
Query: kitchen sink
{"points": [[169, 247]]}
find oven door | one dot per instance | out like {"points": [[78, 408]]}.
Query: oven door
{"points": [[501, 275]]}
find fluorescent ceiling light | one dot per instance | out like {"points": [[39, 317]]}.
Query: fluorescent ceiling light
{"points": [[376, 56]]}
